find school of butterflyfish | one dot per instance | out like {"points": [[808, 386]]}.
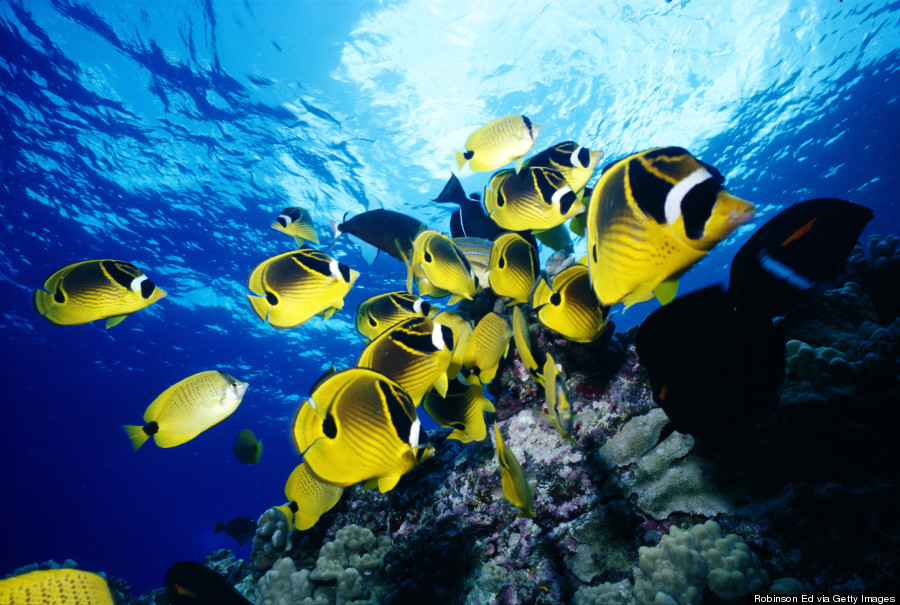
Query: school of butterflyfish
{"points": [[649, 217]]}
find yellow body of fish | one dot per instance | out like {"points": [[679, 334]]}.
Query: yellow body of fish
{"points": [[462, 329], [187, 408], [570, 306], [359, 425], [576, 163], [95, 289], [55, 587], [513, 267], [439, 268], [536, 198], [377, 314], [651, 216], [294, 286], [477, 251], [498, 142], [247, 448], [298, 223], [461, 409], [309, 497], [559, 410], [415, 353], [488, 343], [512, 479], [521, 336]]}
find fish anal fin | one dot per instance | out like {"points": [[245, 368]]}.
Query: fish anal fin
{"points": [[386, 484]]}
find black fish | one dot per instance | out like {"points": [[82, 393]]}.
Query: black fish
{"points": [[800, 247], [470, 220], [190, 583], [713, 371], [387, 230], [241, 529]]}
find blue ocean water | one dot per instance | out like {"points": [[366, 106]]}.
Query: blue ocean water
{"points": [[170, 134]]}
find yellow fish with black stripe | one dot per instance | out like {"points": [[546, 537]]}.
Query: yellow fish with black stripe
{"points": [[652, 215], [569, 306], [559, 409], [415, 353], [488, 343], [461, 409], [293, 287], [358, 425], [513, 267], [576, 163], [377, 314], [95, 289], [462, 330], [187, 408], [477, 251], [522, 338], [308, 498], [57, 587], [297, 222], [536, 198], [499, 142], [512, 478], [439, 268]]}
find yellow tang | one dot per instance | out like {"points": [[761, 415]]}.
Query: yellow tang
{"points": [[523, 345], [187, 408], [95, 289], [499, 142], [570, 306], [461, 409], [513, 267], [477, 251], [536, 198], [308, 498], [297, 222], [247, 448], [381, 312], [57, 587], [576, 163], [439, 268], [358, 425], [559, 409], [512, 478], [294, 286], [415, 353], [462, 329], [488, 343], [652, 215]]}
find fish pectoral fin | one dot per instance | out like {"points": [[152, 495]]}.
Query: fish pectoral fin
{"points": [[329, 312], [519, 163], [369, 484], [666, 291], [441, 384], [386, 484], [115, 320], [299, 241]]}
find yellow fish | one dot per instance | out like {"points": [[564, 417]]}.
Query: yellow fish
{"points": [[523, 345], [559, 410], [513, 267], [576, 163], [56, 587], [512, 479], [570, 306], [498, 142], [247, 448], [462, 329], [652, 215], [461, 409], [187, 408], [488, 343], [384, 311], [297, 222], [308, 498], [536, 198], [415, 353], [95, 289], [477, 251], [357, 425], [439, 268], [294, 286]]}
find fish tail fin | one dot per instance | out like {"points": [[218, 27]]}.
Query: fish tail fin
{"points": [[541, 294], [137, 434], [336, 229], [219, 526], [260, 306], [42, 301], [460, 159]]}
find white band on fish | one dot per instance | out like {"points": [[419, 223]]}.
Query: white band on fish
{"points": [[680, 189]]}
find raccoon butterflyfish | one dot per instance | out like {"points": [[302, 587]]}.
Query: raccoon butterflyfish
{"points": [[95, 289], [569, 306], [241, 529], [190, 583], [461, 409], [247, 448], [513, 267], [651, 216], [714, 372], [308, 498], [377, 314], [462, 329], [498, 142], [478, 252], [56, 586], [357, 425], [380, 229], [438, 268], [512, 478], [574, 162], [488, 343], [470, 220], [415, 353], [522, 338], [297, 222], [187, 408], [559, 409], [294, 286], [536, 198], [800, 247]]}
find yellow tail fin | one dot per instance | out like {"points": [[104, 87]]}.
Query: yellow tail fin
{"points": [[137, 435], [460, 159]]}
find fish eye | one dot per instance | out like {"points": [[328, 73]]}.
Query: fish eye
{"points": [[428, 257], [555, 299], [272, 298], [502, 263]]}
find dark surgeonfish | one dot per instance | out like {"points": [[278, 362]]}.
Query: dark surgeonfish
{"points": [[470, 220], [799, 248], [190, 583], [713, 371], [386, 230], [241, 529]]}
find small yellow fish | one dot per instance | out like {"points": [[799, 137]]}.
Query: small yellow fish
{"points": [[576, 163], [559, 410], [297, 222], [95, 289], [536, 198], [462, 329], [308, 498], [570, 306], [247, 448], [384, 311], [294, 286], [56, 587], [512, 479], [498, 142], [439, 268], [488, 343], [461, 409], [513, 267], [187, 408], [523, 345]]}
